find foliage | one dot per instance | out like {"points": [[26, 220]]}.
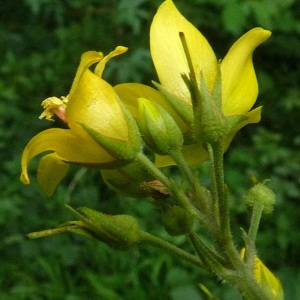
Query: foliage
{"points": [[41, 45]]}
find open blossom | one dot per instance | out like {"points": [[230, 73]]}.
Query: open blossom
{"points": [[93, 111], [239, 87]]}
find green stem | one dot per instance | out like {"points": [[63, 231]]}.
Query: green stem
{"points": [[187, 173], [244, 279], [252, 233], [248, 286], [224, 237], [175, 192], [218, 173], [210, 258], [214, 194], [255, 220], [170, 248]]}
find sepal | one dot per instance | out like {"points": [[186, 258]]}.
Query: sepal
{"points": [[210, 123], [182, 108], [125, 150]]}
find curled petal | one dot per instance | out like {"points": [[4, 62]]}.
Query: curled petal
{"points": [[239, 83], [252, 116], [168, 54], [69, 147], [51, 171], [87, 59], [101, 65]]}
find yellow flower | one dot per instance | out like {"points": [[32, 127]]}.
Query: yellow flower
{"points": [[93, 112], [238, 79]]}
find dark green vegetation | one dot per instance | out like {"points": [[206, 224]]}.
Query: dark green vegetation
{"points": [[40, 46]]}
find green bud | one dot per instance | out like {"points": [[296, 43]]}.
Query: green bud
{"points": [[177, 220], [262, 194], [118, 231], [129, 180], [158, 128]]}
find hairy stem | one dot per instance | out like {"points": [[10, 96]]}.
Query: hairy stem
{"points": [[170, 248]]}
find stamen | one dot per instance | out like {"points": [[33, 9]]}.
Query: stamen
{"points": [[54, 106]]}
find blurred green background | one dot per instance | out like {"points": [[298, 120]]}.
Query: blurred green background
{"points": [[40, 46]]}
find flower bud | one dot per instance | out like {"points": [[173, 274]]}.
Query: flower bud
{"points": [[263, 194], [177, 220], [158, 128], [118, 231]]}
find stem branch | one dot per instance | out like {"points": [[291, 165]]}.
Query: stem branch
{"points": [[170, 184], [172, 249]]}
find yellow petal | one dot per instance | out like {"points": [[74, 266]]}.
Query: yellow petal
{"points": [[194, 154], [101, 65], [239, 83], [51, 171], [70, 146], [168, 55], [130, 92], [93, 102]]}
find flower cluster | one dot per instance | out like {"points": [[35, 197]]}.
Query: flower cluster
{"points": [[199, 100], [131, 131]]}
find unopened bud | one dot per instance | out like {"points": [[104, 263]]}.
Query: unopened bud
{"points": [[261, 193], [158, 128], [177, 220], [118, 231]]}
